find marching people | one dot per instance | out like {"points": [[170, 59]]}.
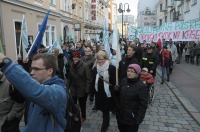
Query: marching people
{"points": [[132, 100], [60, 62], [174, 54], [126, 61], [197, 50], [187, 52], [46, 92], [165, 61], [80, 81], [149, 60], [104, 79], [89, 60], [146, 77], [11, 106]]}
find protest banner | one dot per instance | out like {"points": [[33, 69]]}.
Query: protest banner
{"points": [[177, 31]]}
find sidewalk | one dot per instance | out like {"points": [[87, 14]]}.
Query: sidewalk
{"points": [[166, 113]]}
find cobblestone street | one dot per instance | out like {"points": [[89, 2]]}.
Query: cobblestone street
{"points": [[165, 114]]}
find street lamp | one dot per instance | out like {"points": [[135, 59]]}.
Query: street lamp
{"points": [[122, 10]]}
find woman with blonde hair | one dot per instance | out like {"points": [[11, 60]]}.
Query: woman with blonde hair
{"points": [[103, 82]]}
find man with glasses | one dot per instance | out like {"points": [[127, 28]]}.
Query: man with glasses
{"points": [[46, 92]]}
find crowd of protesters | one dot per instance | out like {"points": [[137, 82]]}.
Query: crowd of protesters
{"points": [[89, 72]]}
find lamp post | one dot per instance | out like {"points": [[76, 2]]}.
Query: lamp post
{"points": [[122, 10]]}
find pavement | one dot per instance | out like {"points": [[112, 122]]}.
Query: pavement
{"points": [[170, 111]]}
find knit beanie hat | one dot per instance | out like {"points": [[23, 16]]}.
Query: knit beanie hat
{"points": [[76, 54], [136, 67]]}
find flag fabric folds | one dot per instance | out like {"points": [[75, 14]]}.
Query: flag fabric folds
{"points": [[38, 39], [105, 38], [24, 36], [1, 47], [55, 45], [115, 44]]}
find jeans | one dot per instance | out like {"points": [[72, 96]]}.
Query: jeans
{"points": [[163, 72]]}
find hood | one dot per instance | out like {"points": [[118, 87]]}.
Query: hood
{"points": [[55, 80]]}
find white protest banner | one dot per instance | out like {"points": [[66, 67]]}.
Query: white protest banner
{"points": [[177, 31]]}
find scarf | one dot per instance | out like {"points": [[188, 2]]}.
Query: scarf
{"points": [[103, 72]]}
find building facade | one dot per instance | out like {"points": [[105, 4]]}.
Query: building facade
{"points": [[177, 10], [146, 13], [69, 19]]}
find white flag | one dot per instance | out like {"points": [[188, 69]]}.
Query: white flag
{"points": [[24, 31], [55, 45], [115, 43]]}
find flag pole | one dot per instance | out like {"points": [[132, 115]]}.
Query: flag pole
{"points": [[20, 42], [117, 66]]}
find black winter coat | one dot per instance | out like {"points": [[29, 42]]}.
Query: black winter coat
{"points": [[132, 102], [149, 61], [123, 65], [102, 102]]}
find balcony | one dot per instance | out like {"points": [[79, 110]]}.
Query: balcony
{"points": [[178, 0]]}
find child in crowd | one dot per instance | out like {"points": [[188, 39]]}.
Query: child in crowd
{"points": [[146, 77]]}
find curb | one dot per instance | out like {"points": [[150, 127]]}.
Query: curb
{"points": [[185, 103]]}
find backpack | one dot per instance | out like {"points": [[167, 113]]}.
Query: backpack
{"points": [[73, 115]]}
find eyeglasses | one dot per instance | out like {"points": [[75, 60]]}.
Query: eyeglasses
{"points": [[37, 69], [132, 71]]}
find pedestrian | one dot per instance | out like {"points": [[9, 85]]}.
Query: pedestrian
{"points": [[46, 92], [149, 60], [165, 60], [132, 100], [11, 106], [89, 59], [174, 54], [104, 81], [126, 61], [146, 77], [80, 81], [197, 50]]}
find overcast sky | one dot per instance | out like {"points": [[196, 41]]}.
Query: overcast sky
{"points": [[132, 6]]}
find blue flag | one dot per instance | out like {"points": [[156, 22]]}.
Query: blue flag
{"points": [[38, 39]]}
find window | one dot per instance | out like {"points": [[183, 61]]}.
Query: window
{"points": [[53, 2], [49, 35], [194, 2], [65, 5], [160, 7], [160, 22], [81, 13], [187, 5], [165, 19], [86, 15]]}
